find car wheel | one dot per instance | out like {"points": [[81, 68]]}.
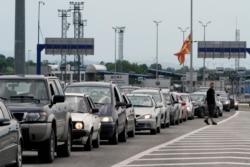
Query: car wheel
{"points": [[164, 125], [132, 133], [202, 114], [114, 139], [19, 159], [221, 114], [96, 142], [168, 124], [46, 151], [158, 130], [123, 135], [237, 108], [216, 113], [65, 149], [153, 131], [177, 122], [88, 145]]}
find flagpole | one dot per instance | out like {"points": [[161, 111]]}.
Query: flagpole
{"points": [[191, 49]]}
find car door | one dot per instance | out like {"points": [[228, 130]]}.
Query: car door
{"points": [[94, 116], [121, 110], [8, 136], [130, 114], [57, 110]]}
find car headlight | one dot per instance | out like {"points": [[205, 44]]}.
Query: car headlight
{"points": [[188, 108], [36, 116], [236, 103], [227, 102], [147, 116], [106, 119], [79, 125]]}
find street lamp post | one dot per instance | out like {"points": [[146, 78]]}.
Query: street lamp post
{"points": [[183, 38], [27, 61], [157, 23], [40, 2], [204, 38], [115, 28]]}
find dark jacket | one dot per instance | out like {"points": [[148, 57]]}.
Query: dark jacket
{"points": [[210, 96]]}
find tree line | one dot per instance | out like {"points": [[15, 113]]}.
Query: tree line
{"points": [[7, 66]]}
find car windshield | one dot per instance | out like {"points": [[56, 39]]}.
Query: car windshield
{"points": [[98, 94], [141, 101], [77, 103], [17, 88], [185, 98], [199, 98], [166, 96], [223, 97], [156, 95]]}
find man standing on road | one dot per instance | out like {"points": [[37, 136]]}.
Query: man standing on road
{"points": [[210, 104]]}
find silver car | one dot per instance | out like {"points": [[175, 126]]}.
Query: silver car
{"points": [[147, 112], [157, 94]]}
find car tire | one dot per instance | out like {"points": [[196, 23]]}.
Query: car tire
{"points": [[177, 122], [221, 114], [132, 133], [158, 130], [19, 159], [202, 114], [153, 131], [216, 113], [65, 149], [236, 108], [114, 138], [168, 124], [96, 142], [88, 146], [123, 135], [164, 124], [46, 151]]}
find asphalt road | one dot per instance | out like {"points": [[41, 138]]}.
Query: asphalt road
{"points": [[123, 154]]}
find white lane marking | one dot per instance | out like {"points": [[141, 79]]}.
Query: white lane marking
{"points": [[205, 153], [202, 146], [192, 164], [131, 159], [192, 158], [201, 149]]}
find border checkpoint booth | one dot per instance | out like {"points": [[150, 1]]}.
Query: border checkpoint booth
{"points": [[93, 70]]}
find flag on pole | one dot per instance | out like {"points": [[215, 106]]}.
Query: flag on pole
{"points": [[185, 49]]}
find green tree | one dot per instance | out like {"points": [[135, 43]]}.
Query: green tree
{"points": [[10, 61], [3, 63]]}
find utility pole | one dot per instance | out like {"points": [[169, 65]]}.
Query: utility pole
{"points": [[19, 59], [65, 26], [77, 17], [183, 71], [204, 38], [157, 23]]}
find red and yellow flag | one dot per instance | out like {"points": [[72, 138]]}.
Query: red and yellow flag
{"points": [[185, 49]]}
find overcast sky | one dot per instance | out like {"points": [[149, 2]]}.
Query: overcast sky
{"points": [[140, 32]]}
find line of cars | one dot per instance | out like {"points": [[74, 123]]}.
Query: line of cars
{"points": [[50, 120]]}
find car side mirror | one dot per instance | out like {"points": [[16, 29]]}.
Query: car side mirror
{"points": [[128, 105], [120, 104], [58, 99], [158, 105], [4, 122], [95, 110]]}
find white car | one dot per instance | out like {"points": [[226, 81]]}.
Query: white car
{"points": [[157, 95], [190, 109], [148, 115], [85, 119]]}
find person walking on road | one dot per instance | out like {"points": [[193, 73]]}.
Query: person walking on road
{"points": [[210, 104]]}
